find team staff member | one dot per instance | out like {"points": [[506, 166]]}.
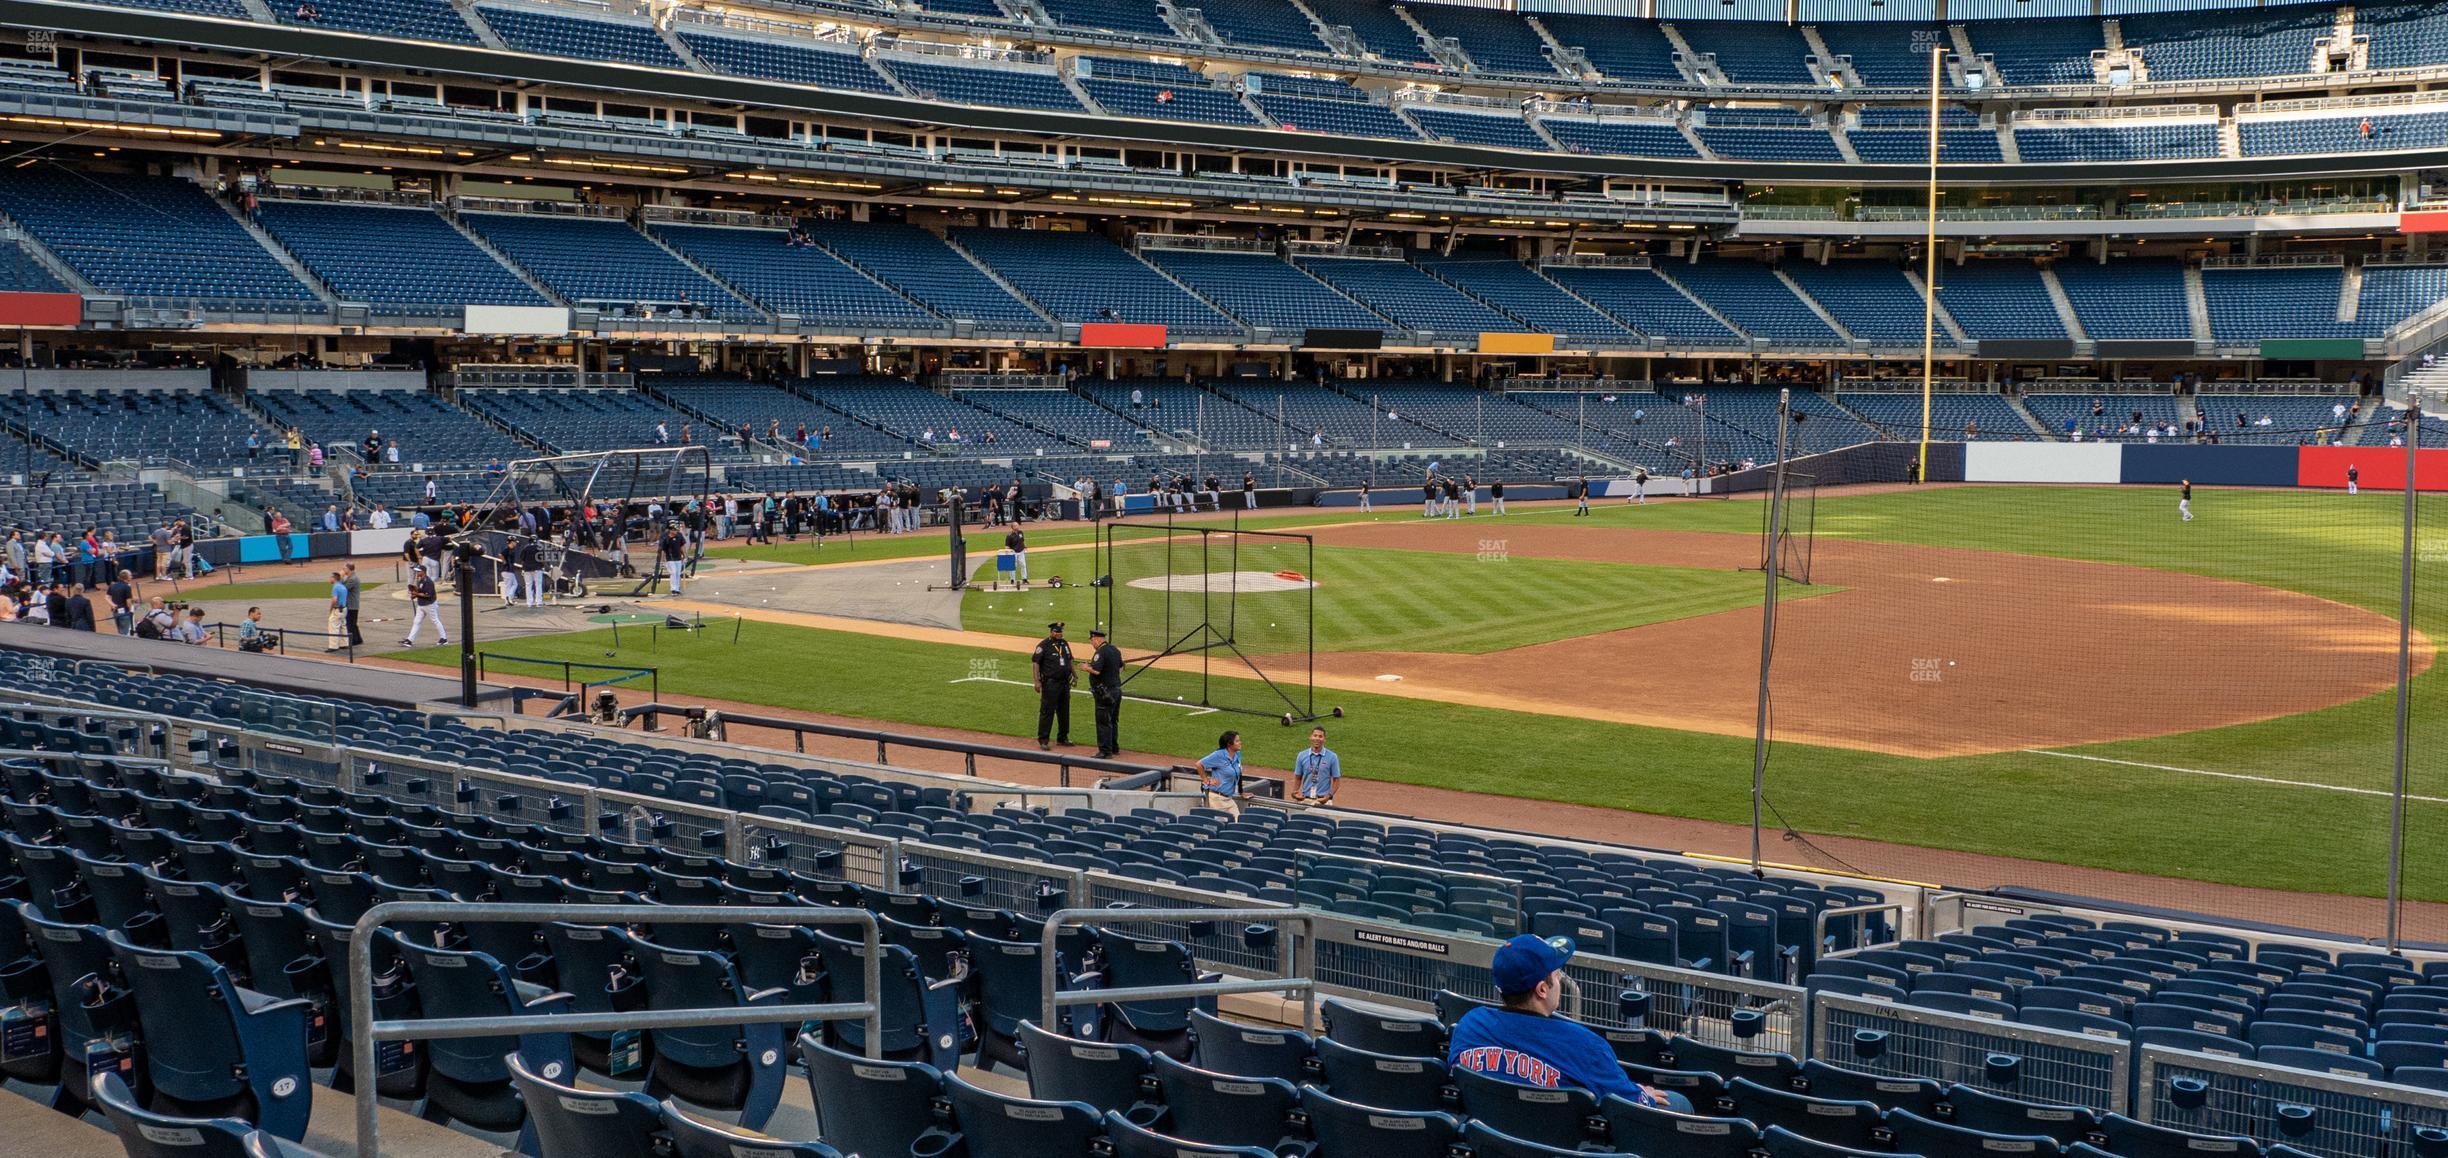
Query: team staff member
{"points": [[1317, 771], [1496, 495], [1223, 769], [674, 552], [1017, 544], [1249, 491], [1580, 491], [1105, 688], [1050, 668], [1524, 1041]]}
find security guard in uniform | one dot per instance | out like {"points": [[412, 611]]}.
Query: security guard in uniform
{"points": [[1105, 687], [1051, 669]]}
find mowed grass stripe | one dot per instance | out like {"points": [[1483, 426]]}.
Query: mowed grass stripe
{"points": [[1382, 599]]}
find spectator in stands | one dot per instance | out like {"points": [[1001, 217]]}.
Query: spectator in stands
{"points": [[335, 618], [80, 609], [296, 442], [16, 555], [122, 596], [391, 453], [662, 434], [278, 524], [1524, 1041], [307, 13], [380, 519], [371, 449], [251, 633], [254, 445], [191, 630], [55, 604], [182, 541], [331, 517]]}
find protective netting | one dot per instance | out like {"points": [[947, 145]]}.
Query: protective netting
{"points": [[1233, 607]]}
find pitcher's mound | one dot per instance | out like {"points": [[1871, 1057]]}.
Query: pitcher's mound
{"points": [[1246, 582]]}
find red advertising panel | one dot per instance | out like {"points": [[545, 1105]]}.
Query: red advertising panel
{"points": [[23, 309], [2424, 221], [2376, 467], [1122, 335]]}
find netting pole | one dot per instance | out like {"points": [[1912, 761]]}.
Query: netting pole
{"points": [[1929, 286], [1759, 727], [2405, 653]]}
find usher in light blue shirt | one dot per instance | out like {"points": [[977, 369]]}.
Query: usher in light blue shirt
{"points": [[1225, 769], [1318, 770]]}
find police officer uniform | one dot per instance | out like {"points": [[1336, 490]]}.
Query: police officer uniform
{"points": [[1105, 687], [1052, 663]]}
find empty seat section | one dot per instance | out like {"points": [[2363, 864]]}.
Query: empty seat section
{"points": [[550, 35], [1519, 291], [1496, 41], [1873, 300], [2209, 46], [1999, 299], [812, 62], [1750, 295], [1503, 128], [399, 19], [1412, 298], [796, 279], [1623, 49], [919, 264], [1082, 277], [1008, 85], [1623, 136], [427, 429], [2116, 139], [396, 256], [603, 263], [2128, 298], [1264, 290], [2051, 51], [1380, 32], [1751, 51], [146, 236], [1645, 301], [1263, 24]]}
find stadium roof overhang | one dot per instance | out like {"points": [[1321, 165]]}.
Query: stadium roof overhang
{"points": [[305, 46]]}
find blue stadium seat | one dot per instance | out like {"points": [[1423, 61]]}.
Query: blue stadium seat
{"points": [[1232, 1048], [1555, 1116], [869, 1106], [469, 1081], [215, 1050], [1391, 1034], [1385, 1080], [1855, 1124], [569, 1119], [993, 1125], [146, 1134], [1343, 1127], [1111, 1078], [726, 1067], [1224, 1110], [1131, 1140], [1914, 1134], [1635, 1128]]}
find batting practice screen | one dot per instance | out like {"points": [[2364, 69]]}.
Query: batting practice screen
{"points": [[1212, 615]]}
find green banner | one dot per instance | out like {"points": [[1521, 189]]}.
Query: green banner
{"points": [[2313, 349]]}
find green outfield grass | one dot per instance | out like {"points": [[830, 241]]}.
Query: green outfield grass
{"points": [[922, 544], [1394, 600], [2126, 817]]}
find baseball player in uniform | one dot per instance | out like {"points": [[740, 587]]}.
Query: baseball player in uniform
{"points": [[2184, 499], [1470, 493], [2353, 476], [1640, 486], [1364, 497], [1581, 492], [423, 596], [1428, 497], [1496, 496], [1050, 668]]}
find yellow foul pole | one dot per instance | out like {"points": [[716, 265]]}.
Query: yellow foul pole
{"points": [[1929, 277]]}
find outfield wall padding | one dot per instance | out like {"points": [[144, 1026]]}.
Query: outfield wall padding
{"points": [[2228, 466], [2378, 466], [2043, 462]]}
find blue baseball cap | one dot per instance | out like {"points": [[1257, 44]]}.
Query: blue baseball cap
{"points": [[1526, 960]]}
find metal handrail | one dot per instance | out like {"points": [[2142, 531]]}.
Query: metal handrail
{"points": [[367, 1032], [1819, 922], [1295, 959], [971, 751]]}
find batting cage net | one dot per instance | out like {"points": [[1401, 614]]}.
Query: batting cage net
{"points": [[634, 494], [1789, 527], [1212, 615]]}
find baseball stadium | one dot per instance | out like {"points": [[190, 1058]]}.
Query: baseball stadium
{"points": [[1244, 579]]}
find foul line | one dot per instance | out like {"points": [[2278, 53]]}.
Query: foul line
{"points": [[1194, 709], [2235, 776]]}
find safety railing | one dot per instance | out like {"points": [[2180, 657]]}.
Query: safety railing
{"points": [[1826, 917], [1295, 959], [2330, 1114], [366, 1033], [569, 668], [2001, 1057], [885, 742]]}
